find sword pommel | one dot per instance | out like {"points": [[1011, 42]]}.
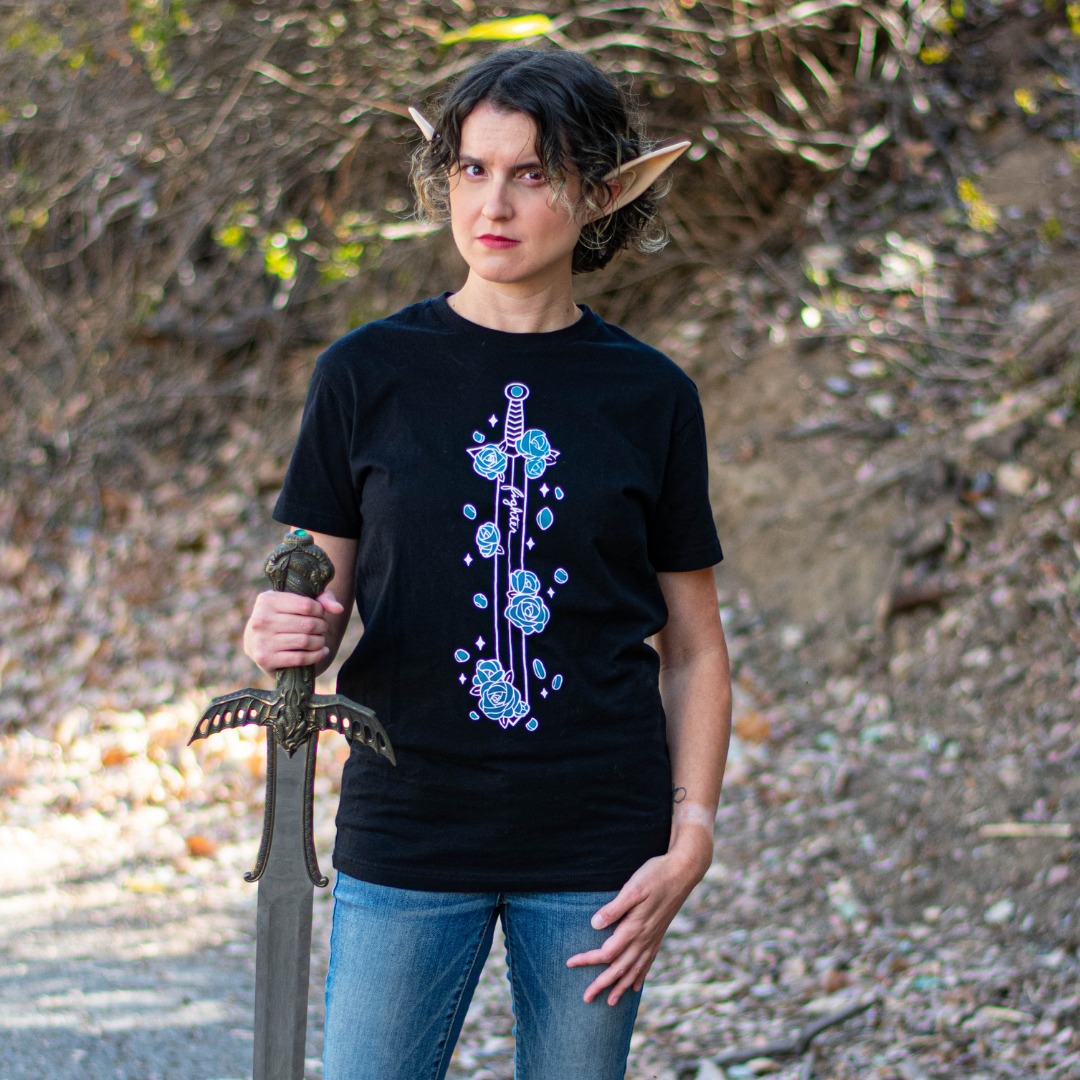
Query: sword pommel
{"points": [[299, 565]]}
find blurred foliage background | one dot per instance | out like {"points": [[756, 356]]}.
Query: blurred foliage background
{"points": [[192, 189]]}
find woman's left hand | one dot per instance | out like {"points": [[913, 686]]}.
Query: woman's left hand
{"points": [[643, 910]]}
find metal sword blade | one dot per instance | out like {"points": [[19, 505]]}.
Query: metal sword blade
{"points": [[283, 933]]}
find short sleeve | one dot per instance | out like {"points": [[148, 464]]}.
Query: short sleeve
{"points": [[681, 531], [320, 492]]}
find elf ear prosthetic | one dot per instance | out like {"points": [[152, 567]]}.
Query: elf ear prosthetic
{"points": [[637, 175], [425, 127], [633, 176]]}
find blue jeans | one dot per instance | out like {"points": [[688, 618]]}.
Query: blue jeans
{"points": [[404, 965]]}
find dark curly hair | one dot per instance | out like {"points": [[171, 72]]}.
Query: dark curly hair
{"points": [[585, 124]]}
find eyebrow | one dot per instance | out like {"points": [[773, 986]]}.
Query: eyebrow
{"points": [[469, 159]]}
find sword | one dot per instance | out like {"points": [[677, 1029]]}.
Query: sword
{"points": [[294, 715]]}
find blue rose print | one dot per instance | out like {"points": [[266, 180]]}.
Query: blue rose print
{"points": [[535, 448], [529, 613], [499, 698], [524, 581], [487, 540], [486, 671], [489, 461], [526, 610]]}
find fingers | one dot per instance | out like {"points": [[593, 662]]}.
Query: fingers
{"points": [[329, 602], [614, 910], [288, 630], [612, 950], [627, 955], [626, 900], [640, 914], [626, 971], [633, 979]]}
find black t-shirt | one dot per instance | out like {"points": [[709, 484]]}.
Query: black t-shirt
{"points": [[514, 496]]}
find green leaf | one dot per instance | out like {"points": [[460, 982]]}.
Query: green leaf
{"points": [[524, 26]]}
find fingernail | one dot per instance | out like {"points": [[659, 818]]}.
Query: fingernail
{"points": [[598, 922]]}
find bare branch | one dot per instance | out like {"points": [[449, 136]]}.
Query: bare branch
{"points": [[800, 1042], [15, 271]]}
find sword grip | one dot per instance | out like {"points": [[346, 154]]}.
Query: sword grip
{"points": [[299, 565]]}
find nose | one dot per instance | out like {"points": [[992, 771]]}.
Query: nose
{"points": [[497, 201]]}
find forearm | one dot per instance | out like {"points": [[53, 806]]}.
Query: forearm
{"points": [[696, 692], [342, 554]]}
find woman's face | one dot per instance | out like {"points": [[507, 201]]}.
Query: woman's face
{"points": [[506, 222]]}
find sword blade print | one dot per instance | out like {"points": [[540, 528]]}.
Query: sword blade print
{"points": [[504, 682]]}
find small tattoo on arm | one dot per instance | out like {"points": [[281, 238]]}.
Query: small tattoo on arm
{"points": [[678, 794]]}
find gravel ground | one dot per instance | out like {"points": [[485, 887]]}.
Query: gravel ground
{"points": [[126, 946]]}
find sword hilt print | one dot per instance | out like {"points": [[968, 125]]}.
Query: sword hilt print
{"points": [[516, 393], [293, 713]]}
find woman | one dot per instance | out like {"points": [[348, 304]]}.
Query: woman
{"points": [[515, 494]]}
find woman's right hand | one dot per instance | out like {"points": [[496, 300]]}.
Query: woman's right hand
{"points": [[288, 630]]}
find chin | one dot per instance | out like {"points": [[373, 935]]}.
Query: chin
{"points": [[505, 272], [497, 275]]}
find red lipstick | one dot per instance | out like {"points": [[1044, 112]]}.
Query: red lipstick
{"points": [[492, 241]]}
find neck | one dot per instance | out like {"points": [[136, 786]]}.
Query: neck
{"points": [[528, 311]]}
